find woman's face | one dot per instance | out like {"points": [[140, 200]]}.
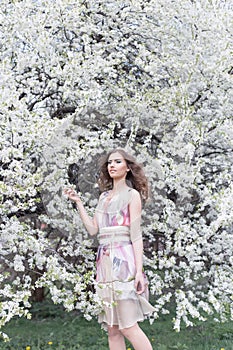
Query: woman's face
{"points": [[117, 166]]}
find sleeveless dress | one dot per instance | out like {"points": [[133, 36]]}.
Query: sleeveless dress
{"points": [[115, 264]]}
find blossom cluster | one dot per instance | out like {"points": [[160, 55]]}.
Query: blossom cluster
{"points": [[79, 78]]}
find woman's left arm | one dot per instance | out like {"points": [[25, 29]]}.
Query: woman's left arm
{"points": [[135, 208]]}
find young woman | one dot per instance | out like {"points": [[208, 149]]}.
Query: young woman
{"points": [[121, 283]]}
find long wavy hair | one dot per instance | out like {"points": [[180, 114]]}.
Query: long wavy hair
{"points": [[135, 178]]}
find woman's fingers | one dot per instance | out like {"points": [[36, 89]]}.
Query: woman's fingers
{"points": [[70, 193]]}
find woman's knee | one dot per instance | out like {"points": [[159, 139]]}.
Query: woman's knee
{"points": [[113, 332], [131, 331]]}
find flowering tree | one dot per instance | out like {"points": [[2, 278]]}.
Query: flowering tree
{"points": [[78, 78]]}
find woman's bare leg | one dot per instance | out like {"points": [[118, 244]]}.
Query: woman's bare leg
{"points": [[116, 339], [137, 338]]}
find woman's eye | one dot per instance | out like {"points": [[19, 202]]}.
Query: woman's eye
{"points": [[118, 161]]}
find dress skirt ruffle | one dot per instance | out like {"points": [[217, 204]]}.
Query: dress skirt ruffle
{"points": [[116, 271]]}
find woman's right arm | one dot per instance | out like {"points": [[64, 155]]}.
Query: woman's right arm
{"points": [[89, 223]]}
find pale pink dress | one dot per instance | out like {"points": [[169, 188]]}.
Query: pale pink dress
{"points": [[116, 270]]}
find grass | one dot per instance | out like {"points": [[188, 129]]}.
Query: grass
{"points": [[53, 329]]}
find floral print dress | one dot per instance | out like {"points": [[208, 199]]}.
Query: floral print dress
{"points": [[116, 270]]}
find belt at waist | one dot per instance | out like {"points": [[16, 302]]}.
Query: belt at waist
{"points": [[114, 234]]}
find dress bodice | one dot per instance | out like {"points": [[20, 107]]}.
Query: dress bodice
{"points": [[114, 210]]}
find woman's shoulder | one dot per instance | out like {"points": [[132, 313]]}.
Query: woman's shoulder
{"points": [[102, 199], [134, 194], [104, 194]]}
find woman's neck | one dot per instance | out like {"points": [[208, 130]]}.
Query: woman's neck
{"points": [[119, 185]]}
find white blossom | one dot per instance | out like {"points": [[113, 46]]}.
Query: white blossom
{"points": [[76, 81]]}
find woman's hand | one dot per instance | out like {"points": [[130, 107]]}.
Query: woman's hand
{"points": [[72, 195], [90, 223], [140, 283]]}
